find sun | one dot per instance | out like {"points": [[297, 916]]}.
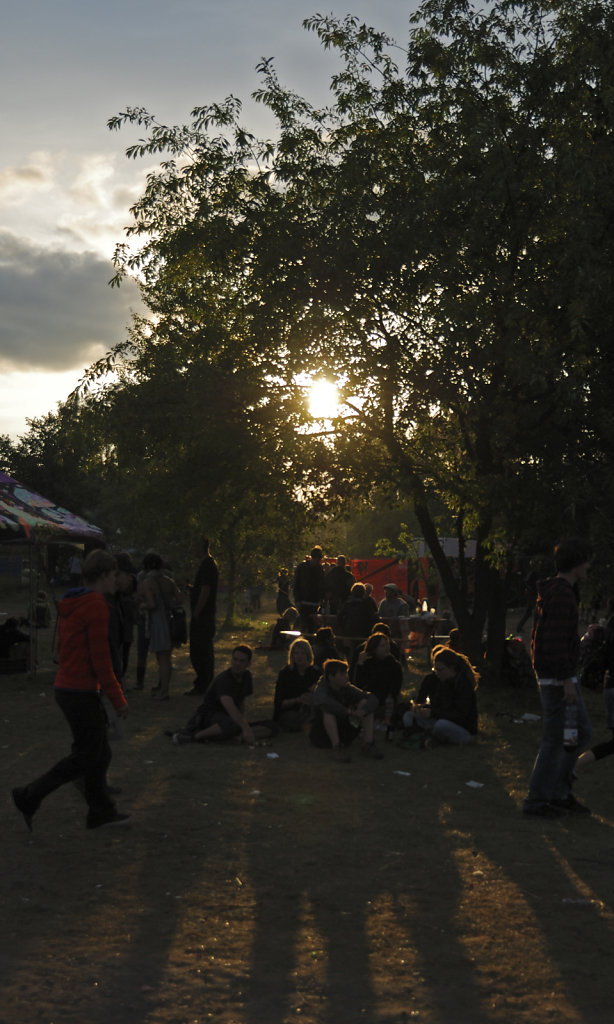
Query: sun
{"points": [[323, 399]]}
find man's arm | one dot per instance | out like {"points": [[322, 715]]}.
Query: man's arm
{"points": [[233, 712], [100, 656]]}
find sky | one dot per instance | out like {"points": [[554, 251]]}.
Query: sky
{"points": [[66, 185]]}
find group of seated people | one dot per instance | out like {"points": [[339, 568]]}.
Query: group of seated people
{"points": [[318, 692]]}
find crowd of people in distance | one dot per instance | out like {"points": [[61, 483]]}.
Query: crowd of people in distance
{"points": [[332, 693]]}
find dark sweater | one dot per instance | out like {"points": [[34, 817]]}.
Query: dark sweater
{"points": [[555, 645]]}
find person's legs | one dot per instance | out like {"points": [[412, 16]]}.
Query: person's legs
{"points": [[330, 726], [412, 722], [550, 761], [142, 647], [201, 656], [164, 667], [89, 758], [564, 783], [219, 726], [449, 732]]}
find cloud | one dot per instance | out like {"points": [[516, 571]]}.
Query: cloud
{"points": [[17, 184], [58, 311], [74, 203]]}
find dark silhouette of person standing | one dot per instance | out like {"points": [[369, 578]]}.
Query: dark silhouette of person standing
{"points": [[203, 601]]}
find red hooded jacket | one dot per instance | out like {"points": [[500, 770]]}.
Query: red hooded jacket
{"points": [[84, 654]]}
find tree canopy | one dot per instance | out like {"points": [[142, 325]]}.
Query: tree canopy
{"points": [[437, 240]]}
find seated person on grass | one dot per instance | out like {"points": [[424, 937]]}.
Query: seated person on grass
{"points": [[292, 702], [360, 652], [450, 713], [378, 671], [220, 716], [324, 647], [285, 623], [339, 710]]}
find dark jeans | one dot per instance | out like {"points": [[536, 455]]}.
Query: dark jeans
{"points": [[142, 647], [552, 772], [201, 655], [90, 757]]}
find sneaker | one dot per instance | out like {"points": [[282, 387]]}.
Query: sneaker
{"points": [[370, 750], [181, 737], [112, 819], [571, 805], [544, 811], [25, 809]]}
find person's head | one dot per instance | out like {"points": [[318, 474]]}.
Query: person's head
{"points": [[572, 555], [377, 646], [382, 627], [100, 571], [152, 562], [336, 672], [316, 553], [240, 659], [391, 591], [126, 572], [447, 664], [358, 592], [300, 654], [455, 641], [325, 635], [341, 561], [368, 589], [199, 546]]}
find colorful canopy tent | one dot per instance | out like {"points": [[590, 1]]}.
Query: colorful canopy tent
{"points": [[26, 515]]}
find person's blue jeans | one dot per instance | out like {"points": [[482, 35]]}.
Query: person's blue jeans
{"points": [[449, 732], [552, 777]]}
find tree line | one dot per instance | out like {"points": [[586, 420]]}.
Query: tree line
{"points": [[437, 239]]}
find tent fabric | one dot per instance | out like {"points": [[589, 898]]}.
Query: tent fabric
{"points": [[25, 515]]}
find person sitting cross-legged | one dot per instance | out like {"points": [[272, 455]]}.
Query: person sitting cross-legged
{"points": [[292, 702], [339, 711], [220, 716], [450, 713]]}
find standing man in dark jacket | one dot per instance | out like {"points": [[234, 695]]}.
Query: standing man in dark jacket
{"points": [[338, 583], [203, 601], [555, 649], [309, 588]]}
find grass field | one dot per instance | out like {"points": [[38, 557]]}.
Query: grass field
{"points": [[254, 889]]}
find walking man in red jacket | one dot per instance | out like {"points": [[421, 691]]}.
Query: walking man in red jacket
{"points": [[85, 670]]}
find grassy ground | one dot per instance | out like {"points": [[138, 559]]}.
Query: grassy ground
{"points": [[254, 889]]}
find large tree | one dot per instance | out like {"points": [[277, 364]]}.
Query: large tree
{"points": [[439, 241]]}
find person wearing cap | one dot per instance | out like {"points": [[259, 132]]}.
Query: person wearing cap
{"points": [[393, 606]]}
